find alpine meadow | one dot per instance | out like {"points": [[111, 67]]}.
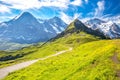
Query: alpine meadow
{"points": [[59, 40]]}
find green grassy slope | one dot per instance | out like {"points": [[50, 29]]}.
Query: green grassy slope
{"points": [[30, 53], [98, 60], [69, 38], [90, 59]]}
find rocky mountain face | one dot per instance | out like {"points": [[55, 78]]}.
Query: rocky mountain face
{"points": [[82, 27], [77, 27], [25, 28], [96, 27], [111, 29]]}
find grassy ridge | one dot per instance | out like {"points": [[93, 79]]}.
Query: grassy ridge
{"points": [[86, 51], [71, 37], [89, 61], [33, 52]]}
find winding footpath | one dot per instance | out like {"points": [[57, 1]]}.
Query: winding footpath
{"points": [[5, 71]]}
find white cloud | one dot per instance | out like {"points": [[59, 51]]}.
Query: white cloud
{"points": [[5, 18], [22, 4], [115, 19], [100, 9], [31, 4], [25, 5], [56, 3], [68, 19], [65, 18], [37, 4], [76, 15], [4, 9], [77, 2], [86, 1], [85, 19]]}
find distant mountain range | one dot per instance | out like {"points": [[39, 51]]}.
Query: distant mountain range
{"points": [[110, 29], [25, 28], [96, 27]]}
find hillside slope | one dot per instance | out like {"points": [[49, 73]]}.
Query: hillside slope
{"points": [[98, 60], [90, 59], [78, 27], [69, 38]]}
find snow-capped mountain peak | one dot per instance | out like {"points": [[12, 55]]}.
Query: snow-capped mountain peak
{"points": [[95, 21], [110, 28], [24, 14], [27, 29]]}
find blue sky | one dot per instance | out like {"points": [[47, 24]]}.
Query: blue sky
{"points": [[67, 10]]}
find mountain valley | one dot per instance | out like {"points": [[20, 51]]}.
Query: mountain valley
{"points": [[92, 57], [94, 54]]}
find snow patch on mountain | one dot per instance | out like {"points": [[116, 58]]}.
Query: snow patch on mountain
{"points": [[45, 29], [55, 28], [25, 28], [110, 28]]}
